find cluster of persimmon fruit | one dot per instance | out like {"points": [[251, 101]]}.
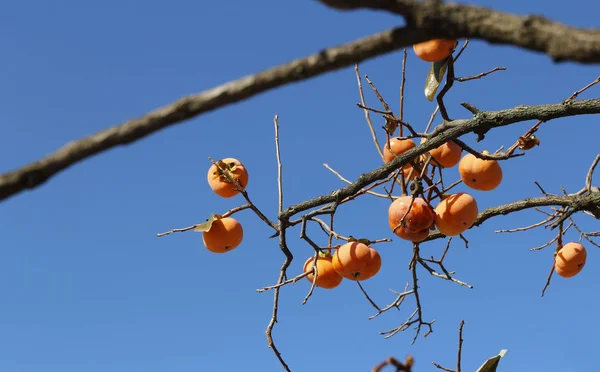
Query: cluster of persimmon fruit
{"points": [[457, 212], [410, 218], [225, 233]]}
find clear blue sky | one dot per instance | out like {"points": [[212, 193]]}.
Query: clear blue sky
{"points": [[85, 285]]}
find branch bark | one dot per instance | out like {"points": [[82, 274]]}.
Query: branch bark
{"points": [[424, 21], [480, 123], [576, 203], [451, 20]]}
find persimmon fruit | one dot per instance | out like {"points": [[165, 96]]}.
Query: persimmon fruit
{"points": [[447, 155], [434, 50], [420, 217], [480, 174], [356, 261], [570, 260], [218, 181], [327, 277], [399, 146], [225, 235], [455, 214]]}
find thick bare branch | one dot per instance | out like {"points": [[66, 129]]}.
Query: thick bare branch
{"points": [[589, 202], [425, 20], [452, 20], [480, 123], [37, 173]]}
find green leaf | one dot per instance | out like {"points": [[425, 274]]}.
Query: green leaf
{"points": [[205, 226], [491, 364], [435, 77]]}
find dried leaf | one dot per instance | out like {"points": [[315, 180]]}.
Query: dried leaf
{"points": [[436, 73], [491, 364], [205, 226], [527, 143], [390, 125]]}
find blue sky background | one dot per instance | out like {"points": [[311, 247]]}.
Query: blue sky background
{"points": [[85, 285]]}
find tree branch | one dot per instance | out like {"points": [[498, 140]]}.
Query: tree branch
{"points": [[451, 20], [480, 123], [37, 173], [589, 202], [425, 20]]}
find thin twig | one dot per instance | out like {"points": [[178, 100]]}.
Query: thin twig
{"points": [[577, 93], [367, 296], [386, 107], [479, 76], [367, 116], [289, 281], [350, 182], [279, 174], [401, 110], [184, 229]]}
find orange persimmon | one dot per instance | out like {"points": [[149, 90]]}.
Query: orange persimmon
{"points": [[434, 50], [356, 261], [225, 235], [455, 214], [570, 260], [416, 223], [327, 277], [479, 174], [399, 146], [447, 155], [218, 181]]}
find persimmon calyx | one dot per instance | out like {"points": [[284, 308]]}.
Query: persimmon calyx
{"points": [[227, 171], [325, 254], [365, 241]]}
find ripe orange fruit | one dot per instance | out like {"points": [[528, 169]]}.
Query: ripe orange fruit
{"points": [[446, 155], [455, 214], [356, 261], [225, 235], [220, 184], [327, 277], [417, 221], [396, 147], [479, 174], [399, 146], [570, 260], [434, 50]]}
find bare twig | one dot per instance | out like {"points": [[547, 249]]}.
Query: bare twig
{"points": [[479, 76], [184, 229], [386, 107], [582, 234], [279, 180], [400, 367], [396, 303], [459, 357], [367, 296], [350, 182], [590, 174], [367, 116], [537, 224], [401, 110], [417, 316], [282, 275], [577, 93], [289, 281]]}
